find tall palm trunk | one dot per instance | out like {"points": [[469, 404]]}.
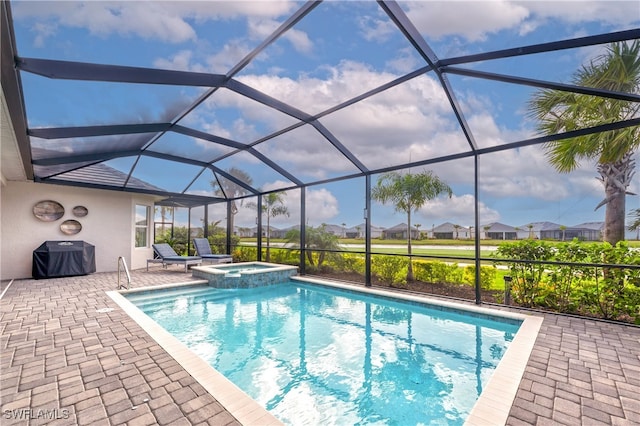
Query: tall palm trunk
{"points": [[616, 178], [410, 270]]}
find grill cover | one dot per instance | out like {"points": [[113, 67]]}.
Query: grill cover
{"points": [[63, 259]]}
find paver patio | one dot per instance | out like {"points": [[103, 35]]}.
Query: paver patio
{"points": [[65, 360]]}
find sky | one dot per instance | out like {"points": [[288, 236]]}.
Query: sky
{"points": [[340, 50]]}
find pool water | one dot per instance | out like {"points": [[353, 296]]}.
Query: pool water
{"points": [[315, 355], [233, 269]]}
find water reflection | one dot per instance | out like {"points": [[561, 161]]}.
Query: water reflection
{"points": [[316, 356]]}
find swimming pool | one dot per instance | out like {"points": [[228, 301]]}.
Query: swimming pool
{"points": [[317, 355]]}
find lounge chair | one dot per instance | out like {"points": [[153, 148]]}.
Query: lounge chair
{"points": [[165, 254], [204, 251]]}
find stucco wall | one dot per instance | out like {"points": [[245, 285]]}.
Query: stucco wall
{"points": [[108, 225]]}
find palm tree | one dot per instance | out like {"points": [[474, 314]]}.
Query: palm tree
{"points": [[562, 229], [272, 206], [618, 69], [417, 225], [634, 215], [457, 228], [319, 239], [408, 192], [530, 226], [229, 189]]}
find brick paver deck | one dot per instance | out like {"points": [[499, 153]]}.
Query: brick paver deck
{"points": [[67, 361]]}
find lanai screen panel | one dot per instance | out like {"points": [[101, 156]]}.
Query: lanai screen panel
{"points": [[253, 172], [204, 184], [405, 123], [317, 65], [188, 147], [236, 117], [63, 103], [473, 27], [161, 34], [170, 175], [307, 154]]}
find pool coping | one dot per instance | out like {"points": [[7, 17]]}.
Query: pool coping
{"points": [[491, 408]]}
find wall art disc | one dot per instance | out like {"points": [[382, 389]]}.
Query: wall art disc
{"points": [[80, 211], [70, 227], [48, 211]]}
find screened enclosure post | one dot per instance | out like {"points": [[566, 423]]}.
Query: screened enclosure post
{"points": [[229, 231], [259, 227], [367, 232], [477, 223], [206, 221], [189, 231], [303, 231]]}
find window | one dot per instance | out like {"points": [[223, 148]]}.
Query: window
{"points": [[142, 225]]}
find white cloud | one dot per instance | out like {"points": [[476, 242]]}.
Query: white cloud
{"points": [[614, 13], [458, 210], [171, 22], [475, 20], [471, 19]]}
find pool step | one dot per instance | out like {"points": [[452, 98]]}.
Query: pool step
{"points": [[159, 301], [178, 291]]}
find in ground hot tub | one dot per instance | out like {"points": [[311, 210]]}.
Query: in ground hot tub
{"points": [[245, 274]]}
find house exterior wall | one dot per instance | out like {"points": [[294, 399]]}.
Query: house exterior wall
{"points": [[109, 225]]}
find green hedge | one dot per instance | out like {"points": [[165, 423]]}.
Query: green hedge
{"points": [[569, 284]]}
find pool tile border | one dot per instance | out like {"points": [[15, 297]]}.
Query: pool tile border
{"points": [[491, 408]]}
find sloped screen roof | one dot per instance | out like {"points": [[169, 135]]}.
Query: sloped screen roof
{"points": [[182, 98]]}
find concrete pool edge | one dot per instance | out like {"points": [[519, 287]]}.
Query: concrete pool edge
{"points": [[494, 404], [240, 405], [491, 408]]}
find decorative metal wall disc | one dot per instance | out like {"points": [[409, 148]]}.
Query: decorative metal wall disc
{"points": [[80, 211], [48, 211], [70, 227]]}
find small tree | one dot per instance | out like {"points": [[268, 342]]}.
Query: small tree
{"points": [[272, 206], [562, 229], [408, 192], [316, 238], [634, 215], [230, 189]]}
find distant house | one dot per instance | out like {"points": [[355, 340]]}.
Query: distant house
{"points": [[336, 230], [449, 231], [498, 231], [399, 232], [588, 231], [282, 233], [533, 230], [358, 231]]}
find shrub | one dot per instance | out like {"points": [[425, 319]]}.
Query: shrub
{"points": [[348, 262], [437, 272], [487, 276], [245, 254], [527, 276], [391, 269]]}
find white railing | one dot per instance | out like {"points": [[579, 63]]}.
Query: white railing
{"points": [[122, 264]]}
